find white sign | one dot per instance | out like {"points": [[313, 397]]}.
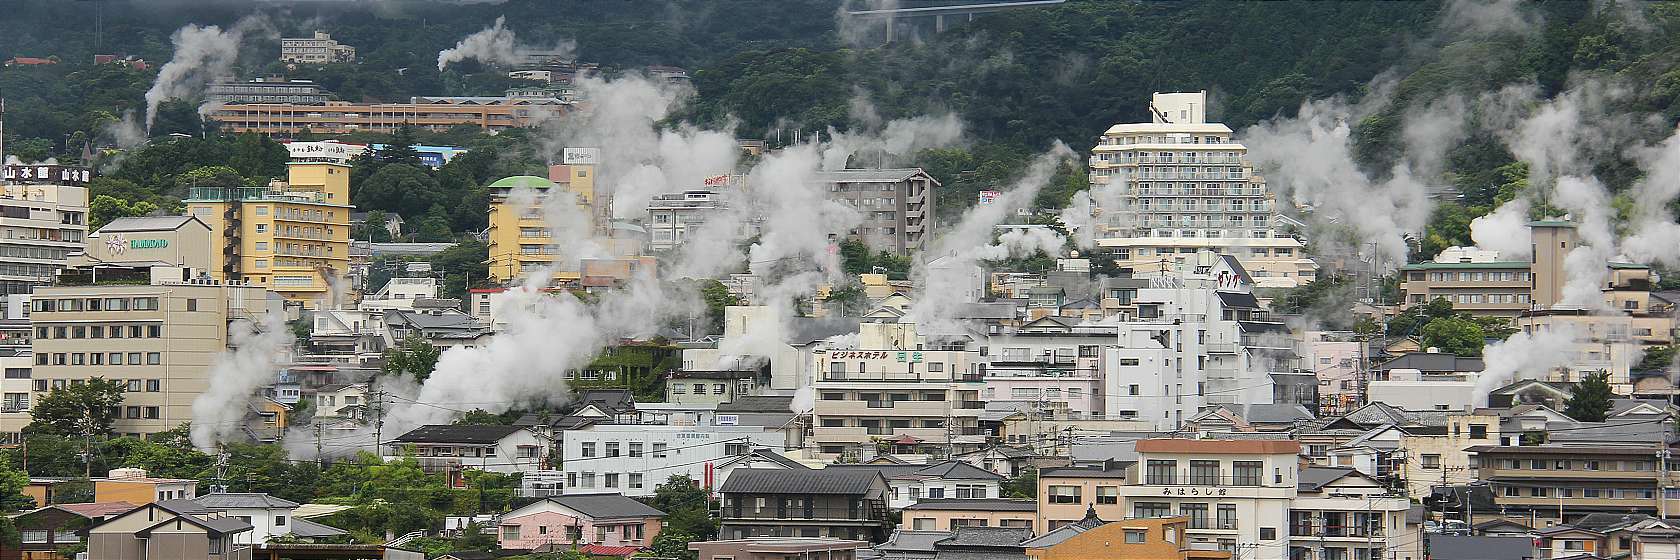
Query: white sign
{"points": [[324, 150], [728, 419], [580, 156]]}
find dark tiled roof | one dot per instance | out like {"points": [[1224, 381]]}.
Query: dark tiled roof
{"points": [[1118, 471], [310, 529], [1238, 300], [813, 481], [1005, 537], [243, 500], [974, 504], [1314, 478], [1270, 413], [451, 433], [606, 506], [913, 541], [1432, 362], [957, 470], [769, 404], [1065, 532], [1451, 547]]}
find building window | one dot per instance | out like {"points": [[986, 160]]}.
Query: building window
{"points": [[1135, 536], [1227, 518], [1431, 461], [1151, 509], [1064, 494], [971, 491], [659, 450], [1108, 495], [586, 449], [635, 480], [1161, 472], [1204, 473], [1246, 473], [612, 449]]}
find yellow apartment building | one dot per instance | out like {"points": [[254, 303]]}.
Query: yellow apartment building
{"points": [[291, 237], [521, 239]]}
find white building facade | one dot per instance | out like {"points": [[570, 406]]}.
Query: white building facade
{"points": [[634, 459], [896, 389]]}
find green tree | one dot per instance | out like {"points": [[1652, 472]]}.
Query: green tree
{"points": [[405, 189], [463, 266], [87, 409], [1455, 335], [672, 543], [687, 507], [373, 228], [414, 357], [717, 298], [1656, 358], [434, 227], [105, 208], [400, 149], [211, 176], [177, 116], [255, 155], [1023, 486], [1590, 401], [12, 482]]}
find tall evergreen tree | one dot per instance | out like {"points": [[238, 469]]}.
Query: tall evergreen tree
{"points": [[1591, 400]]}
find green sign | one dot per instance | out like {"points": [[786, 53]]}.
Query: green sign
{"points": [[909, 356], [148, 243]]}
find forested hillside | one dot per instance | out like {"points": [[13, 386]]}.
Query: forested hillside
{"points": [[1018, 79]]}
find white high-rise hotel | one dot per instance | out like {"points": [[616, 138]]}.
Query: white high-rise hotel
{"points": [[1180, 184]]}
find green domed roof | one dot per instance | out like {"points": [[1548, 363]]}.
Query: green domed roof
{"points": [[529, 181]]}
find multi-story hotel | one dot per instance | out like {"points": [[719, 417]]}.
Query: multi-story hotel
{"points": [[437, 114], [897, 390], [321, 48], [520, 238], [43, 218], [1185, 184], [268, 90], [291, 237], [159, 338]]}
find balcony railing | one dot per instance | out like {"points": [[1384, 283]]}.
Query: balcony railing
{"points": [[1183, 478]]}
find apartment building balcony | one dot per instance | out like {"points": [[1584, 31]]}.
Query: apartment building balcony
{"points": [[862, 434], [1518, 475], [1220, 348], [1578, 503], [890, 408]]}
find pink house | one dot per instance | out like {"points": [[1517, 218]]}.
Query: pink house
{"points": [[608, 522]]}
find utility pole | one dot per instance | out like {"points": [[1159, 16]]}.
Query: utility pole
{"points": [[378, 416], [320, 458], [220, 486]]}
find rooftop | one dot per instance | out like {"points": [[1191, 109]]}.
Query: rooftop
{"points": [[974, 504], [815, 481], [451, 433]]}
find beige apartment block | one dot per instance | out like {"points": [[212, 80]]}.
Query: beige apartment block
{"points": [[160, 339]]}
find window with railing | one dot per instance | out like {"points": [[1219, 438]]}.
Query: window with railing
{"points": [[1247, 473], [1204, 473], [1158, 471]]}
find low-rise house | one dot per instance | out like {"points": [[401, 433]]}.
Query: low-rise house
{"points": [[1342, 513], [44, 530], [910, 545], [983, 543], [778, 548], [841, 503], [341, 400], [709, 386], [948, 479], [1004, 460], [1611, 535], [935, 514], [606, 522], [448, 447], [269, 517], [1091, 538], [169, 530]]}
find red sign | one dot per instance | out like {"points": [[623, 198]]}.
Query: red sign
{"points": [[717, 180]]}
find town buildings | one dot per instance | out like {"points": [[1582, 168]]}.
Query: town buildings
{"points": [[899, 390], [1155, 538], [43, 218], [896, 205], [436, 114], [947, 514], [174, 529], [157, 330], [291, 237], [317, 49], [1183, 184]]}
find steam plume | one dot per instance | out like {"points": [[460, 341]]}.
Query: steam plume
{"points": [[254, 362], [201, 54]]}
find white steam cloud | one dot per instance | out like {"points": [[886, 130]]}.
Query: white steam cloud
{"points": [[1523, 356], [254, 362], [201, 54], [493, 45]]}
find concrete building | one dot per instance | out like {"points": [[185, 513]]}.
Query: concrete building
{"points": [[1560, 483], [267, 90], [320, 48], [634, 458], [778, 548], [673, 217], [179, 241], [1053, 369], [42, 221], [1186, 184], [291, 237], [1200, 338], [1336, 360], [911, 483], [897, 390], [1434, 453], [520, 238], [436, 114], [159, 337], [1474, 280], [1065, 494], [896, 205]]}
